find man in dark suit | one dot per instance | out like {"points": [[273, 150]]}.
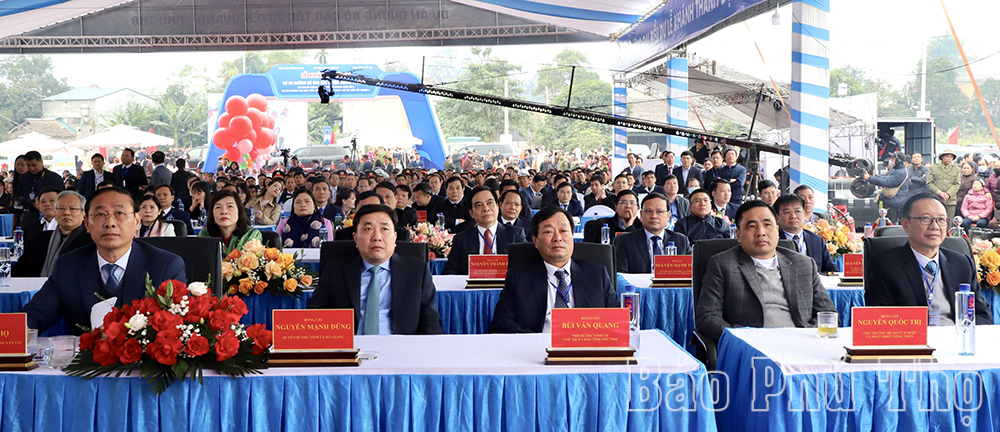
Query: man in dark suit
{"points": [[557, 281], [525, 206], [791, 218], [678, 205], [537, 187], [129, 175], [161, 174], [43, 248], [921, 273], [407, 217], [666, 168], [114, 266], [701, 224], [365, 199], [624, 220], [757, 284], [487, 237], [635, 250], [179, 181], [43, 218], [89, 180], [734, 174], [598, 194], [424, 198], [165, 195], [686, 171], [510, 212], [31, 183], [721, 194], [390, 294], [648, 185], [454, 209], [321, 191], [566, 200]]}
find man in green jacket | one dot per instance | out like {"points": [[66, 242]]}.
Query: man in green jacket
{"points": [[943, 179]]}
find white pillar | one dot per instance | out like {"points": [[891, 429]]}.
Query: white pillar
{"points": [[810, 126], [677, 103], [619, 160]]}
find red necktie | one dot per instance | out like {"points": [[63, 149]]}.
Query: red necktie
{"points": [[487, 243]]}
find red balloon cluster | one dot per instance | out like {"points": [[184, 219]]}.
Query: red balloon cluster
{"points": [[245, 129]]}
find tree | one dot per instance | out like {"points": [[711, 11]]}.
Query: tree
{"points": [[24, 81], [945, 100], [462, 118], [567, 134], [321, 56], [554, 77], [321, 115], [256, 62]]}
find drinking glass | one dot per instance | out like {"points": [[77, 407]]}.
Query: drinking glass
{"points": [[63, 348], [826, 325]]}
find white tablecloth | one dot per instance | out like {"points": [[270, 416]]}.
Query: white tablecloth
{"points": [[23, 284], [646, 280], [800, 351]]}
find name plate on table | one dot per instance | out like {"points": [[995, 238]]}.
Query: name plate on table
{"points": [[671, 271], [421, 215], [854, 270], [487, 271], [313, 337], [889, 335], [14, 343], [590, 336]]}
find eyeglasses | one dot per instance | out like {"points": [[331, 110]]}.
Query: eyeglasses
{"points": [[120, 216], [657, 212], [926, 220], [73, 210], [629, 203]]}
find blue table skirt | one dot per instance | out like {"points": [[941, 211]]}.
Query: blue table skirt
{"points": [[844, 300], [764, 399], [559, 402], [994, 300], [6, 225], [13, 302]]}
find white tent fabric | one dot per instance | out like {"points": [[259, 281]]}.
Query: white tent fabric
{"points": [[35, 141], [122, 136]]}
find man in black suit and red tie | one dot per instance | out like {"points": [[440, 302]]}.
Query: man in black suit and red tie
{"points": [[488, 237], [129, 175], [556, 281]]}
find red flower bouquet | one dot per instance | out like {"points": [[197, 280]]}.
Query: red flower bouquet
{"points": [[177, 331]]}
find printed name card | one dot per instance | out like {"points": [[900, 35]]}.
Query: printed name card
{"points": [[313, 329], [854, 266], [421, 215], [487, 266], [672, 267], [13, 334], [590, 328], [881, 326]]}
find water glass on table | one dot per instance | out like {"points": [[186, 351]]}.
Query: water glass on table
{"points": [[5, 266], [61, 350], [826, 325]]}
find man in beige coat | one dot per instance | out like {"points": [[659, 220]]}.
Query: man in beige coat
{"points": [[943, 179]]}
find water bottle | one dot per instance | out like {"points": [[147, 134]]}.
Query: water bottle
{"points": [[5, 266], [956, 227], [732, 231], [605, 234], [323, 233], [440, 219], [965, 320], [869, 231], [671, 248], [18, 243], [170, 217], [882, 219], [253, 216], [203, 219], [630, 301], [338, 221], [180, 205]]}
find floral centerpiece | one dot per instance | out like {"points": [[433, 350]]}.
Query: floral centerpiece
{"points": [[258, 269], [176, 331], [438, 238], [839, 238], [986, 253]]}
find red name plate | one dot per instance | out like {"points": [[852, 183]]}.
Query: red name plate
{"points": [[421, 215], [877, 326], [313, 329], [487, 266], [672, 267], [589, 328], [13, 333], [854, 266]]}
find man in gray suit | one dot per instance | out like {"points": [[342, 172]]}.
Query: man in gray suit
{"points": [[757, 285], [161, 174]]}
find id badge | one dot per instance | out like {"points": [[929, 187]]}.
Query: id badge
{"points": [[933, 318], [31, 196]]}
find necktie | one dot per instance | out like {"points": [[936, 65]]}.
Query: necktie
{"points": [[795, 238], [563, 206], [371, 307], [112, 280], [487, 243], [561, 290], [656, 245], [931, 268]]}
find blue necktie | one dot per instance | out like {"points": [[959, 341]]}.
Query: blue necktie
{"points": [[561, 294], [371, 307], [931, 268], [112, 281], [656, 245]]}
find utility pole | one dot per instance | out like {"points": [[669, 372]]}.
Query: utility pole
{"points": [[506, 111]]}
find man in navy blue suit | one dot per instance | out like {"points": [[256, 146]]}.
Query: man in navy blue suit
{"points": [[722, 192], [89, 180], [791, 218], [487, 237], [556, 281], [165, 195], [566, 200], [637, 249], [648, 185], [322, 192], [114, 266], [511, 214]]}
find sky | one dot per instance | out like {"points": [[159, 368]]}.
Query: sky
{"points": [[883, 37]]}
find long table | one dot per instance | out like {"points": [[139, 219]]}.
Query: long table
{"points": [[460, 383], [788, 379]]}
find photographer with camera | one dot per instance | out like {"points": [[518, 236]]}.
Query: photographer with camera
{"points": [[895, 185]]}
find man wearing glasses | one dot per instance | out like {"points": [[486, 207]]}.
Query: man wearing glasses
{"points": [[701, 224], [637, 249], [623, 221], [114, 266], [920, 272], [791, 218], [42, 249]]}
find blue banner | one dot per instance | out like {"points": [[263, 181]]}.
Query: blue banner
{"points": [[673, 24], [301, 81]]}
